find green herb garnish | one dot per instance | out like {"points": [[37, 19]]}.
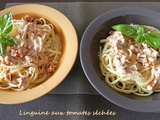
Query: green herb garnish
{"points": [[6, 25], [140, 35]]}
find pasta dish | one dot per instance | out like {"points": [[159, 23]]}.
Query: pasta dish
{"points": [[130, 68], [35, 58]]}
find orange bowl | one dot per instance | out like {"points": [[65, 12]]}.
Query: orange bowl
{"points": [[69, 51]]}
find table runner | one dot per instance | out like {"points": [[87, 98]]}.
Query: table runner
{"points": [[71, 107], [75, 98]]}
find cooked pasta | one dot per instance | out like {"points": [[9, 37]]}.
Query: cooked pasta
{"points": [[130, 68], [35, 58]]}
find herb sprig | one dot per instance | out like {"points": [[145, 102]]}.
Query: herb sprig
{"points": [[140, 34], [6, 25]]}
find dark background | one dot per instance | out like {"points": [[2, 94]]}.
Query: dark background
{"points": [[3, 2], [70, 102]]}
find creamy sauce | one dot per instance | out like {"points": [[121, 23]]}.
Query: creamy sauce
{"points": [[38, 51], [143, 57]]}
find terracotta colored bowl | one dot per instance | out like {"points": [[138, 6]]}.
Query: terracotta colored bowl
{"points": [[70, 47], [89, 49]]}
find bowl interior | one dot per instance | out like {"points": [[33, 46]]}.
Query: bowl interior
{"points": [[57, 28], [103, 32]]}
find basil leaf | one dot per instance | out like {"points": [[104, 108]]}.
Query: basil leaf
{"points": [[153, 40], [8, 39], [150, 43], [140, 35], [3, 47], [6, 23], [139, 39], [141, 30], [127, 30]]}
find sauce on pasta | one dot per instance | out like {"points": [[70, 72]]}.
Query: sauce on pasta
{"points": [[130, 68], [36, 57]]}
